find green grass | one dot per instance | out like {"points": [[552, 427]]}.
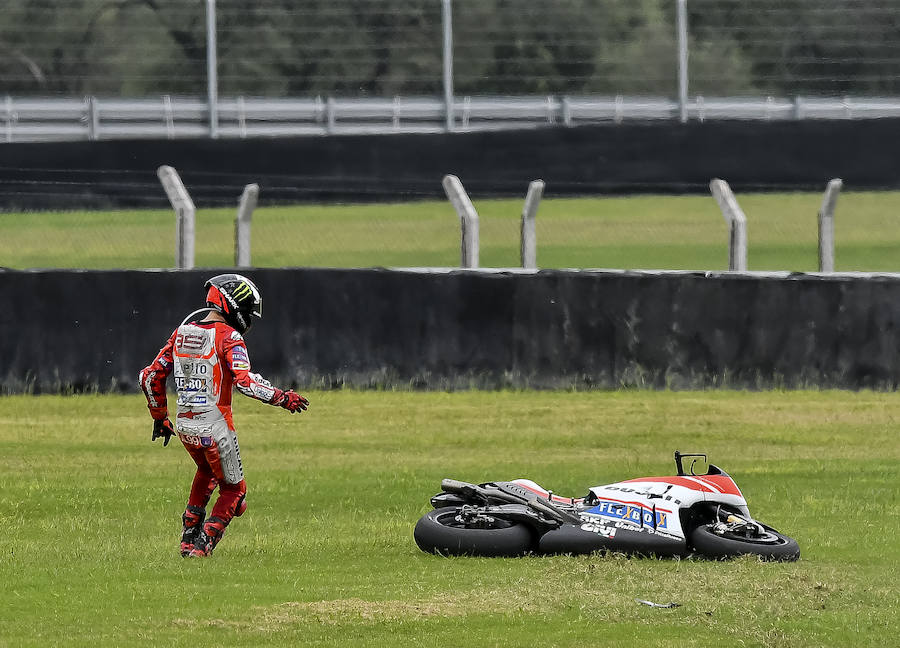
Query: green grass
{"points": [[90, 516], [646, 232]]}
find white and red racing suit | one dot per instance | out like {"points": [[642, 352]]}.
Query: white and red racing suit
{"points": [[208, 359]]}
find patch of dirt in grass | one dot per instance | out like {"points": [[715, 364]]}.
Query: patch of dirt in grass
{"points": [[356, 610], [341, 611]]}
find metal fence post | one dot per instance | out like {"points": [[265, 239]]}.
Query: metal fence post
{"points": [[528, 249], [212, 80], [468, 219], [184, 216], [330, 116], [242, 225], [826, 225], [447, 28], [737, 224], [10, 117], [682, 27], [169, 112], [93, 118]]}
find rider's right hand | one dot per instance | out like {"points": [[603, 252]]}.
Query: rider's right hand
{"points": [[162, 428]]}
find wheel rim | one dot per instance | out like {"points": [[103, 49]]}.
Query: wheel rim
{"points": [[480, 522], [766, 538]]}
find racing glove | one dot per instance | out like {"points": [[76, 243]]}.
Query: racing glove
{"points": [[291, 401], [162, 428]]}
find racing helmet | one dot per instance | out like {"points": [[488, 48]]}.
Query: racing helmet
{"points": [[236, 298]]}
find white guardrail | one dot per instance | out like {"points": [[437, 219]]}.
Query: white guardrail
{"points": [[94, 118]]}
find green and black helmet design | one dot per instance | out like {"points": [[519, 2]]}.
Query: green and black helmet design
{"points": [[236, 298]]}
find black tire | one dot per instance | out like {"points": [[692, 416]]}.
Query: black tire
{"points": [[771, 546], [439, 532]]}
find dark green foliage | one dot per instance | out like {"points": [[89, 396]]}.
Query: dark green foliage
{"points": [[389, 47]]}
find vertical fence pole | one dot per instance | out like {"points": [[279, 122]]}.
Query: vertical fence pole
{"points": [[330, 115], [9, 118], [468, 219], [184, 216], [242, 225], [93, 118], [682, 26], [447, 28], [212, 79], [528, 247], [826, 225], [737, 224]]}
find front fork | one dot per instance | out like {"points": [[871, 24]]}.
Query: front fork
{"points": [[736, 524], [722, 519]]}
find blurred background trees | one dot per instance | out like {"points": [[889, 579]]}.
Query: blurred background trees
{"points": [[386, 47]]}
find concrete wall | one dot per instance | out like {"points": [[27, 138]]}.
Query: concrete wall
{"points": [[62, 330]]}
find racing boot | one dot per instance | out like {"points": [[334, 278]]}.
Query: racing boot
{"points": [[193, 524], [208, 538]]}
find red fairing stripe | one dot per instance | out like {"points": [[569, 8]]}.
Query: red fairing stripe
{"points": [[703, 483], [725, 484]]}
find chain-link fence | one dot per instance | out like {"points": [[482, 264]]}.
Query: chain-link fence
{"points": [[166, 68], [383, 48]]}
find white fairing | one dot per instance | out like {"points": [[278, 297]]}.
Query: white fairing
{"points": [[654, 505]]}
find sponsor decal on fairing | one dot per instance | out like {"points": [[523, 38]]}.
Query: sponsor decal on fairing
{"points": [[631, 512], [599, 528]]}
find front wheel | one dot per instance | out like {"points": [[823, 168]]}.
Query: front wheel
{"points": [[768, 545], [451, 532]]}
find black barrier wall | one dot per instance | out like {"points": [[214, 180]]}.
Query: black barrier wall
{"points": [[587, 160], [64, 330]]}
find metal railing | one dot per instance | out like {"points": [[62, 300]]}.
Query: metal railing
{"points": [[93, 118]]}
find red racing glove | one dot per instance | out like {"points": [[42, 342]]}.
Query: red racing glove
{"points": [[291, 401], [162, 428]]}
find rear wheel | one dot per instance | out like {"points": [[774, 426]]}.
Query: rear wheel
{"points": [[767, 544], [453, 531]]}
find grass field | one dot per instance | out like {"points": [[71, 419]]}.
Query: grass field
{"points": [[89, 521], [646, 232]]}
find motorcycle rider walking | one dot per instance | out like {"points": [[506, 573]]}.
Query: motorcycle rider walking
{"points": [[208, 357]]}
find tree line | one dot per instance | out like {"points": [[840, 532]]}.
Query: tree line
{"points": [[389, 47]]}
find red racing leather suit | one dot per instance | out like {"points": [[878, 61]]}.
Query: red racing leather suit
{"points": [[208, 359]]}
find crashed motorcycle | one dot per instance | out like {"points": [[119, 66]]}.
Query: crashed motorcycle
{"points": [[687, 514]]}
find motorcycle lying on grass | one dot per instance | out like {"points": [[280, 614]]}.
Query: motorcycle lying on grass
{"points": [[683, 515]]}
